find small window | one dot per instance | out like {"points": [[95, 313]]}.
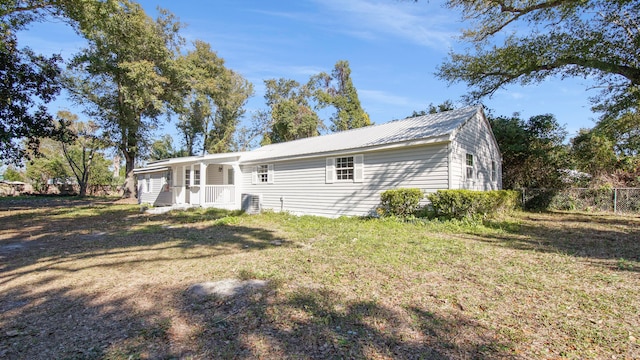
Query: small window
{"points": [[344, 168], [469, 163], [146, 183], [493, 171], [187, 177], [167, 182], [230, 177], [263, 173], [196, 177]]}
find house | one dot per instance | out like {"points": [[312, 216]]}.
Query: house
{"points": [[337, 174]]}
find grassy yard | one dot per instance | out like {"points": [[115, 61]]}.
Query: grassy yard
{"points": [[94, 279]]}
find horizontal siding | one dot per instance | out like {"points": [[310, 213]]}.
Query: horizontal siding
{"points": [[155, 196], [301, 183], [476, 138]]}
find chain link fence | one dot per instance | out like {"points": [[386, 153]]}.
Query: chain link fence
{"points": [[620, 200]]}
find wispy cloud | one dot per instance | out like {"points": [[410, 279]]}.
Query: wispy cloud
{"points": [[428, 26], [377, 96]]}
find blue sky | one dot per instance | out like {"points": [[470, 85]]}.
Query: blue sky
{"points": [[393, 47]]}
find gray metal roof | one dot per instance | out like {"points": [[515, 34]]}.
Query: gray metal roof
{"points": [[432, 127]]}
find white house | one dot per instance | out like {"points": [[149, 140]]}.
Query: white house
{"points": [[337, 174]]}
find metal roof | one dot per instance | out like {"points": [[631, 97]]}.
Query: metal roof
{"points": [[420, 129]]}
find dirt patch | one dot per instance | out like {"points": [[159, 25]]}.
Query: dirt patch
{"points": [[226, 288]]}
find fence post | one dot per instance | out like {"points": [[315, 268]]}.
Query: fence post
{"points": [[615, 200]]}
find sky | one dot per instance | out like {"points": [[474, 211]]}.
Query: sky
{"points": [[393, 47]]}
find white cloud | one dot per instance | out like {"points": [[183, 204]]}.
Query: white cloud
{"points": [[377, 96], [428, 26]]}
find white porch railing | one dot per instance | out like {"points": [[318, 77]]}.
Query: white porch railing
{"points": [[219, 194]]}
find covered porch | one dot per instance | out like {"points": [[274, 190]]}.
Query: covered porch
{"points": [[207, 184]]}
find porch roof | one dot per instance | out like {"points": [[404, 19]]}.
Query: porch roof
{"points": [[160, 165]]}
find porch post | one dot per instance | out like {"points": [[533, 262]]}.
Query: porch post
{"points": [[237, 185], [203, 182]]}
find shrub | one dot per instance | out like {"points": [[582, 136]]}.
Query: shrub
{"points": [[400, 202], [467, 204]]}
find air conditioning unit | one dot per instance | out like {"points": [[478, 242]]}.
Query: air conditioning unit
{"points": [[252, 203]]}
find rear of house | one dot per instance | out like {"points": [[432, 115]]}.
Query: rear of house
{"points": [[344, 173]]}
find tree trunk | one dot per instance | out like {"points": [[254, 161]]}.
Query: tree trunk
{"points": [[129, 189]]}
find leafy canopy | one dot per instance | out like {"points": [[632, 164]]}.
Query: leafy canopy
{"points": [[527, 41]]}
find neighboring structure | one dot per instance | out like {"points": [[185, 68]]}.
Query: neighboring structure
{"points": [[337, 174]]}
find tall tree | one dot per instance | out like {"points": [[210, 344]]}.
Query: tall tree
{"points": [[291, 115], [27, 82], [215, 102], [127, 76], [533, 152], [337, 90], [598, 39]]}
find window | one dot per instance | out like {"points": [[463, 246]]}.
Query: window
{"points": [[493, 171], [344, 168], [167, 182], [263, 173], [230, 178], [469, 164], [196, 177], [146, 183], [187, 177]]}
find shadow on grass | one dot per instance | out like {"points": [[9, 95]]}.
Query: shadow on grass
{"points": [[318, 324], [60, 324], [65, 231], [592, 236]]}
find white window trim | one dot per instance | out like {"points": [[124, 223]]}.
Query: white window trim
{"points": [[331, 173]]}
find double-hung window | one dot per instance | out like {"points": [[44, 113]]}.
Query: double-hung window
{"points": [[262, 174], [344, 168], [196, 177], [493, 171], [469, 166]]}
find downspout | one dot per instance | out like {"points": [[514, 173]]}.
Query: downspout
{"points": [[450, 165]]}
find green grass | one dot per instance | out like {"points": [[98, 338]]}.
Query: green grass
{"points": [[101, 280]]}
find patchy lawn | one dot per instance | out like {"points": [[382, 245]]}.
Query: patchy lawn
{"points": [[94, 279]]}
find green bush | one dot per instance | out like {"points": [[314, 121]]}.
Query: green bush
{"points": [[400, 202], [467, 204]]}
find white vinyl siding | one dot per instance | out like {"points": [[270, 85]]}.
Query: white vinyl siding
{"points": [[305, 185], [153, 189], [475, 138]]}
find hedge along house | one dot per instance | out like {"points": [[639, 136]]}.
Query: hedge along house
{"points": [[337, 174]]}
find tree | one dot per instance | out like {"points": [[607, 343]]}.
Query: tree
{"points": [[214, 102], [163, 149], [81, 152], [11, 174], [128, 76], [593, 153], [533, 153], [27, 82], [598, 39], [337, 90], [447, 105], [291, 115]]}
